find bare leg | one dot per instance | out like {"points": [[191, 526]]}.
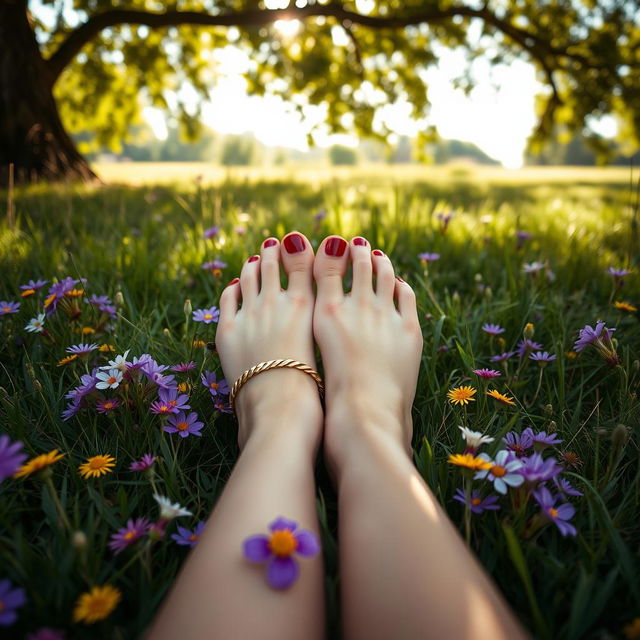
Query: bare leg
{"points": [[218, 593], [405, 572]]}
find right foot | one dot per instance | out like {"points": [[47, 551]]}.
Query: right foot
{"points": [[371, 348]]}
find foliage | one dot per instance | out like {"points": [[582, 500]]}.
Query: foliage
{"points": [[148, 244], [339, 155]]}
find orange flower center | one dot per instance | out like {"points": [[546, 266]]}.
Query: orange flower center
{"points": [[26, 293], [282, 543], [214, 385], [207, 316], [97, 464], [130, 535], [111, 380], [173, 403], [165, 409], [108, 405], [553, 512], [475, 501], [193, 537], [6, 309], [182, 426], [498, 471]]}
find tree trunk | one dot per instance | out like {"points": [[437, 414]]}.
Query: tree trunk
{"points": [[32, 137]]}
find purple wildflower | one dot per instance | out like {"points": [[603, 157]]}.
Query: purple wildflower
{"points": [[184, 424], [223, 407], [213, 265], [82, 349], [211, 232], [565, 487], [429, 257], [183, 367], [177, 401], [487, 373], [216, 387], [206, 315], [526, 346], [519, 443], [33, 285], [146, 462], [72, 408], [139, 363], [87, 385], [475, 503], [45, 633], [10, 456], [10, 600], [590, 335], [320, 215], [617, 274], [107, 405], [278, 548], [188, 538], [504, 472], [126, 536], [9, 307], [541, 440], [492, 329], [542, 357], [502, 357], [559, 515], [537, 469], [522, 237]]}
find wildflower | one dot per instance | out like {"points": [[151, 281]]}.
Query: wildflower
{"points": [[503, 357], [33, 285], [146, 462], [214, 265], [320, 215], [559, 515], [71, 410], [600, 338], [469, 461], [277, 549], [184, 425], [461, 395], [474, 439], [198, 344], [176, 401], [526, 346], [494, 393], [625, 306], [223, 407], [126, 536], [503, 471], [536, 469], [96, 604], [36, 325], [492, 329], [618, 274], [565, 487], [170, 511], [82, 349], [38, 463], [46, 633], [9, 307], [107, 406], [120, 363], [522, 237], [487, 373], [533, 268], [106, 348], [188, 538], [570, 355], [211, 232], [140, 363], [519, 443], [11, 458], [216, 387], [542, 357], [67, 360], [571, 459], [10, 599], [475, 503], [428, 257], [109, 380], [184, 367], [541, 440], [206, 315], [97, 466]]}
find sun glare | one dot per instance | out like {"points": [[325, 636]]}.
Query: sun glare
{"points": [[287, 28]]}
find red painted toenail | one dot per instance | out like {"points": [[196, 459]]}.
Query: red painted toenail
{"points": [[294, 243], [269, 243], [234, 281], [335, 247], [377, 252], [360, 242], [254, 258]]}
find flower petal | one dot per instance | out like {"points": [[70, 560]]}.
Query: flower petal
{"points": [[283, 523], [282, 572], [256, 548], [308, 544]]}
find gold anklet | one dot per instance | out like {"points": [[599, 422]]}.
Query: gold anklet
{"points": [[273, 364]]}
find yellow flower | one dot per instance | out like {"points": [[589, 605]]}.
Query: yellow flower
{"points": [[469, 461], [625, 306], [632, 630], [106, 348], [570, 355], [199, 343], [38, 463], [27, 292], [74, 293], [87, 331], [500, 396], [97, 466], [184, 386], [461, 395], [97, 604], [67, 360]]}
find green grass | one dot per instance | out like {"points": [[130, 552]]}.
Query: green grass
{"points": [[146, 243]]}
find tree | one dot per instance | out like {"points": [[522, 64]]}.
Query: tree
{"points": [[94, 66]]}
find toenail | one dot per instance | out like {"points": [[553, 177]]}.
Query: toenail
{"points": [[294, 243], [377, 252], [234, 281], [269, 243], [335, 247], [254, 258], [359, 241]]}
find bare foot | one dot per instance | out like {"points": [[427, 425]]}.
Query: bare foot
{"points": [[370, 348], [260, 321]]}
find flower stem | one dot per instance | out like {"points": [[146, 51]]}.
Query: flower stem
{"points": [[56, 501]]}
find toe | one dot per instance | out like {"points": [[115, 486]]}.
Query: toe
{"points": [[229, 301], [385, 276], [297, 259], [360, 252], [406, 298], [270, 267], [329, 268], [249, 277]]}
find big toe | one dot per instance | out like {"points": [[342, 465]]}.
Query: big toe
{"points": [[329, 268]]}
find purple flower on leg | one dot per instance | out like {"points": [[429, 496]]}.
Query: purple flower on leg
{"points": [[519, 443], [184, 425], [9, 307], [206, 315], [558, 515], [216, 387], [566, 488], [126, 536], [492, 329], [186, 537], [477, 504], [536, 469], [146, 462], [505, 471], [541, 440], [10, 600], [10, 457], [278, 548]]}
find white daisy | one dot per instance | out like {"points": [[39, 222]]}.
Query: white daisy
{"points": [[170, 511], [109, 380], [474, 439], [36, 325], [119, 363], [501, 473]]}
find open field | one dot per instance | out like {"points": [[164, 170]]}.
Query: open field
{"points": [[142, 245]]}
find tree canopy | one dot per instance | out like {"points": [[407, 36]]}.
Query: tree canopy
{"points": [[105, 59]]}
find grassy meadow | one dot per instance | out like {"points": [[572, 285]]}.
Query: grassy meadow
{"points": [[140, 241]]}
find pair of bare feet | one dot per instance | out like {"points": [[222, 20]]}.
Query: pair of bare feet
{"points": [[370, 342]]}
